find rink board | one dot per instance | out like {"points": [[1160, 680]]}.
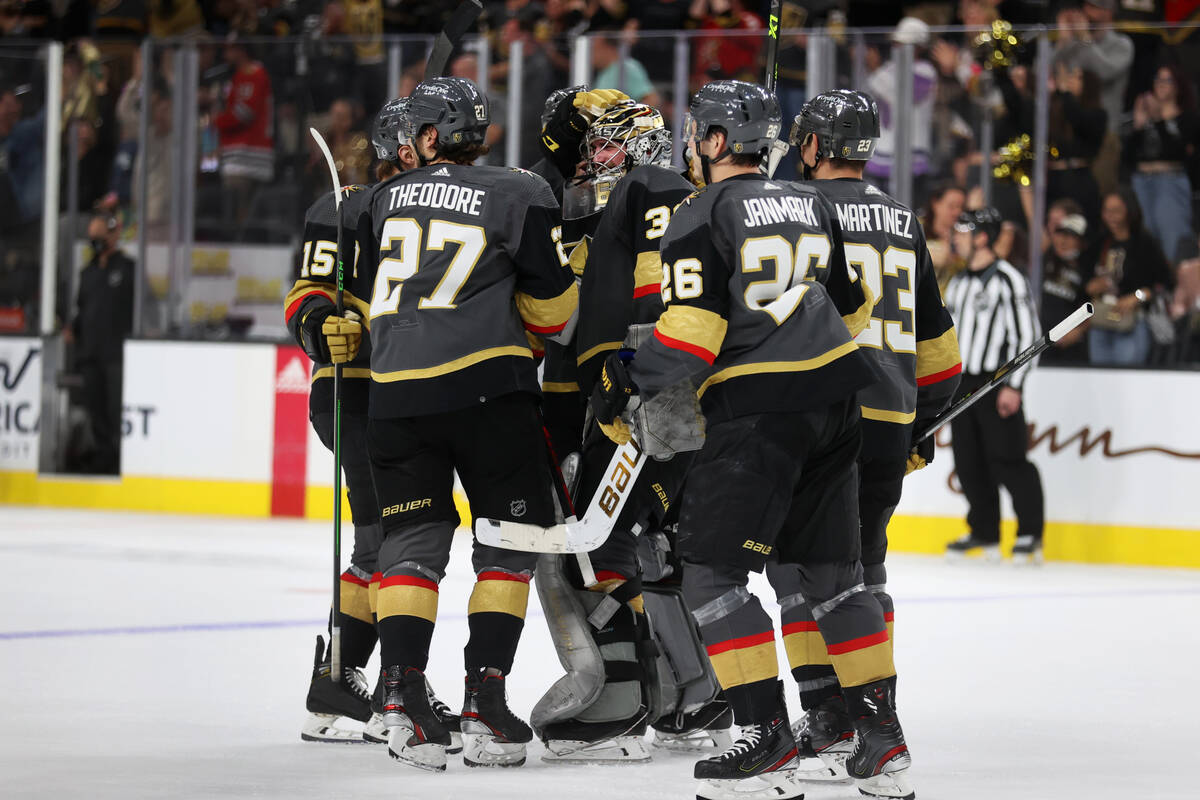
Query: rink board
{"points": [[222, 429]]}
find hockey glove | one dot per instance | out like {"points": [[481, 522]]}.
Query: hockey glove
{"points": [[563, 134], [920, 456], [343, 335], [612, 395]]}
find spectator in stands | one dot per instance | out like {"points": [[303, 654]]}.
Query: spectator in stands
{"points": [[1064, 275], [881, 85], [364, 18], [734, 57], [467, 66], [103, 319], [613, 72], [946, 203], [1077, 125], [350, 148], [244, 126], [21, 161], [175, 18], [1057, 211], [536, 74], [155, 157], [128, 116], [95, 166], [1129, 270], [1159, 149], [1088, 35]]}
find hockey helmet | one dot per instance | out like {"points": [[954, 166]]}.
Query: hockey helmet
{"points": [[389, 131], [980, 220], [455, 107], [749, 114], [638, 130], [558, 96], [845, 122]]}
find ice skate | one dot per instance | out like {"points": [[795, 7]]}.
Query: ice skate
{"points": [[1027, 551], [825, 739], [492, 735], [329, 702], [760, 765], [375, 731], [416, 735], [967, 545], [880, 761], [702, 730], [576, 742]]}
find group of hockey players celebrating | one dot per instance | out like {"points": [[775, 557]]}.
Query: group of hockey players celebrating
{"points": [[801, 323]]}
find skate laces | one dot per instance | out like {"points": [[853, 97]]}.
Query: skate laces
{"points": [[356, 682], [748, 739]]}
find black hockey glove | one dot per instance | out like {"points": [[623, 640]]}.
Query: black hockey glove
{"points": [[612, 395], [921, 455], [311, 335], [563, 135]]}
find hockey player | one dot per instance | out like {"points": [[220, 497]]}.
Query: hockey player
{"points": [[628, 184], [776, 371], [911, 340], [461, 264], [308, 308]]}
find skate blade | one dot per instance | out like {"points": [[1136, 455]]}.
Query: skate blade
{"points": [[1034, 559], [825, 768], [694, 742], [323, 728], [617, 750], [428, 756], [887, 786], [482, 750], [987, 555], [777, 785]]}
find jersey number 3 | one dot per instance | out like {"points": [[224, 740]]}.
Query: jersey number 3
{"points": [[402, 237], [887, 325]]}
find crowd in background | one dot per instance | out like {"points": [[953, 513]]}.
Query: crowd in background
{"points": [[1120, 228]]}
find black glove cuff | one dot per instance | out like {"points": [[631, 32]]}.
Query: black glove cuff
{"points": [[312, 338]]}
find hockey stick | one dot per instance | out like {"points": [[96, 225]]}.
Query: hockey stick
{"points": [[779, 147], [463, 17], [335, 629], [573, 536], [1076, 318]]}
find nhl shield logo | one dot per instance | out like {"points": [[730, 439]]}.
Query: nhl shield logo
{"points": [[517, 508]]}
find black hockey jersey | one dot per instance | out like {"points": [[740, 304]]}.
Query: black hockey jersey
{"points": [[744, 319], [910, 335], [316, 286], [622, 270], [464, 266]]}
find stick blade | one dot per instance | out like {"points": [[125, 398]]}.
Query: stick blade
{"points": [[562, 539]]}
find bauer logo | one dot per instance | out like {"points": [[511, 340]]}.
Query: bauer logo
{"points": [[293, 378]]}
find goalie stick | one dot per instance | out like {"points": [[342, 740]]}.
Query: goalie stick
{"points": [[463, 17], [335, 629], [1073, 321]]}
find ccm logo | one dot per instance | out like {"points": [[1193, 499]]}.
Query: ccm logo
{"points": [[411, 505], [757, 547], [619, 481]]}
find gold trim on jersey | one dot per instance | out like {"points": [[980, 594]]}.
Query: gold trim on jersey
{"points": [[698, 327], [603, 347], [861, 318], [560, 387], [765, 367], [536, 343], [347, 372], [451, 366], [578, 257], [549, 314], [301, 288], [648, 270], [881, 415], [938, 355]]}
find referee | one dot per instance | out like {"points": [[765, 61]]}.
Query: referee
{"points": [[994, 315]]}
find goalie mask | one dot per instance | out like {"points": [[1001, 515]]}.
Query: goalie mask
{"points": [[625, 136]]}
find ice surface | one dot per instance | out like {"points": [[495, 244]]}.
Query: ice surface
{"points": [[153, 656]]}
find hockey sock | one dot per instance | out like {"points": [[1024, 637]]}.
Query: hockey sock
{"points": [[741, 647], [357, 622], [495, 618], [856, 637], [407, 608], [373, 595], [807, 655]]}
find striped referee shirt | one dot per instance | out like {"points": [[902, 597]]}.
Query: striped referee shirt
{"points": [[994, 316]]}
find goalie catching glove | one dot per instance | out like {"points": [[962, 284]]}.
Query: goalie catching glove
{"points": [[562, 135], [612, 394]]}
